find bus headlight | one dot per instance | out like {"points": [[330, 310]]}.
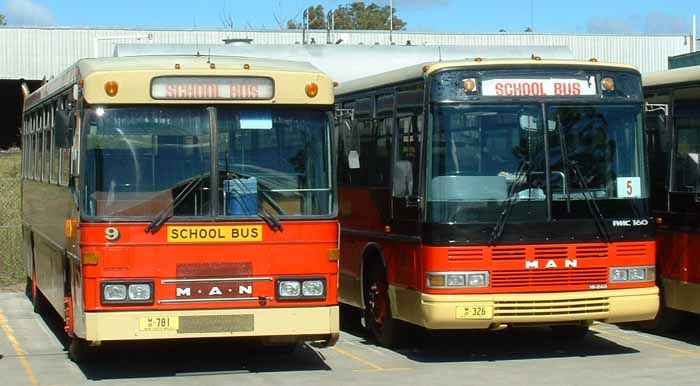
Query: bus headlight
{"points": [[114, 292], [479, 279], [126, 292], [289, 288], [632, 274], [301, 289], [139, 292], [312, 288]]}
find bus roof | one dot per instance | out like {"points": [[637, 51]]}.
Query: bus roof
{"points": [[671, 77], [344, 63], [88, 66], [420, 70], [187, 65]]}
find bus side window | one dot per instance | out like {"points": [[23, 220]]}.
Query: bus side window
{"points": [[49, 146], [56, 153], [379, 169], [407, 157], [360, 176], [687, 155], [38, 144]]}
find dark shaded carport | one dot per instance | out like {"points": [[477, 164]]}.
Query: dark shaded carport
{"points": [[11, 110]]}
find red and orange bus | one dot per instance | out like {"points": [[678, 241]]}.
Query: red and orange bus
{"points": [[673, 119], [492, 193], [183, 197]]}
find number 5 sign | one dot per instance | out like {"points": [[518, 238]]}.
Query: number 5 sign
{"points": [[629, 187]]}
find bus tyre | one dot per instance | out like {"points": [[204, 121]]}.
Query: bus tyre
{"points": [[385, 329], [667, 320], [80, 350], [570, 332]]}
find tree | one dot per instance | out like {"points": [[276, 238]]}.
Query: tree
{"points": [[316, 16], [357, 15], [2, 20], [352, 16]]}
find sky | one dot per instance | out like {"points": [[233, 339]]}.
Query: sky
{"points": [[593, 16]]}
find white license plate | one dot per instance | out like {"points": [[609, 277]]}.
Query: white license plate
{"points": [[159, 323], [474, 312]]}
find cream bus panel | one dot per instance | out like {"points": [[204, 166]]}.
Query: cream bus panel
{"points": [[134, 87]]}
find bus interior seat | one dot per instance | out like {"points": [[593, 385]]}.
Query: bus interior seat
{"points": [[403, 179], [468, 188]]}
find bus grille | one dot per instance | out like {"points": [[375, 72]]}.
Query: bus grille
{"points": [[551, 307], [549, 277], [581, 251], [465, 254]]}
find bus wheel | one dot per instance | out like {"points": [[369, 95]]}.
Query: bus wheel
{"points": [[573, 332], [667, 320], [80, 350], [384, 328]]}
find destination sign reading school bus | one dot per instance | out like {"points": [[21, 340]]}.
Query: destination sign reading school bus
{"points": [[212, 88], [549, 87], [214, 234]]}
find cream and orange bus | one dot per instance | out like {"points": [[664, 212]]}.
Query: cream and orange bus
{"points": [[182, 197], [486, 193], [673, 119]]}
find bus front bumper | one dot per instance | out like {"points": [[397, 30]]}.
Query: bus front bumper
{"points": [[303, 323], [496, 310]]}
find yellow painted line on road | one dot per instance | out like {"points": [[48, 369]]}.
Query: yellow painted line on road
{"points": [[373, 367], [18, 349], [391, 369], [641, 339], [352, 356]]}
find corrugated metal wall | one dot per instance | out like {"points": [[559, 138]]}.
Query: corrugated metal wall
{"points": [[33, 53]]}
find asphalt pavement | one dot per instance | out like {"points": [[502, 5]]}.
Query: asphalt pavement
{"points": [[33, 352]]}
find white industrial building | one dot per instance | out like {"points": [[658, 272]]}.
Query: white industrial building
{"points": [[36, 53]]}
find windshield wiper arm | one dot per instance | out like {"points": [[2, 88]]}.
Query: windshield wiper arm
{"points": [[565, 163], [510, 201], [591, 203], [163, 216], [269, 218]]}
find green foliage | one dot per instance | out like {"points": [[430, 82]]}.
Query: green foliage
{"points": [[11, 267], [2, 20], [317, 19], [352, 16]]}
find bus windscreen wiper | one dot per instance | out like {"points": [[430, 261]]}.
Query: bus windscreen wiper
{"points": [[591, 203], [269, 218], [164, 215], [523, 171]]}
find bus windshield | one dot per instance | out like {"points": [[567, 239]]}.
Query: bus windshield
{"points": [[476, 153], [597, 150], [139, 159], [482, 155]]}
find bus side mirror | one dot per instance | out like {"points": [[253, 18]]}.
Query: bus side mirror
{"points": [[64, 129]]}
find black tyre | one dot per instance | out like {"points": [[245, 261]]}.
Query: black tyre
{"points": [[667, 320], [386, 330], [80, 351], [570, 332]]}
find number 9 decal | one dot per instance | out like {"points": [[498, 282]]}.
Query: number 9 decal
{"points": [[112, 234]]}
